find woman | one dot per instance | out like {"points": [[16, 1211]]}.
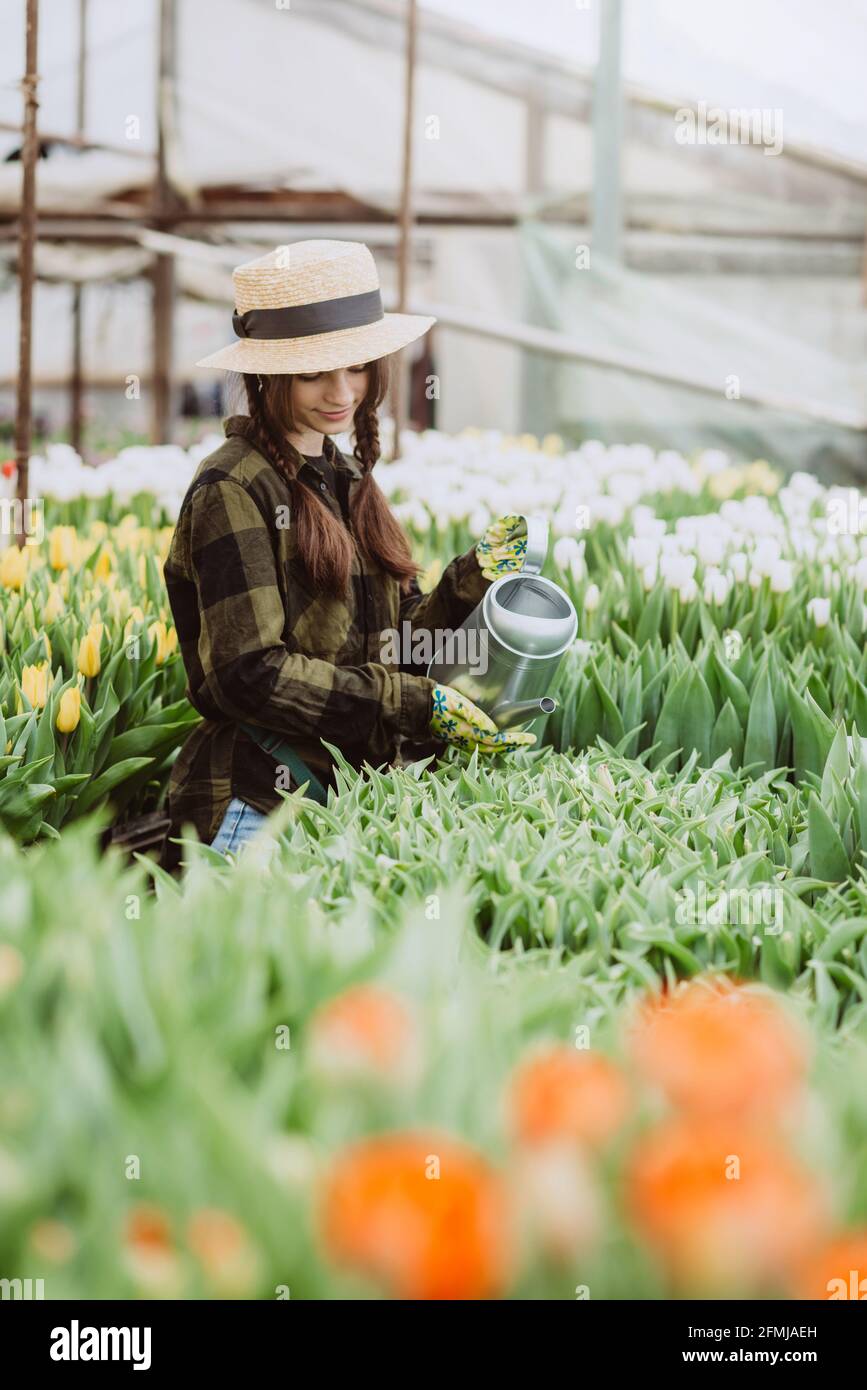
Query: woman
{"points": [[287, 566]]}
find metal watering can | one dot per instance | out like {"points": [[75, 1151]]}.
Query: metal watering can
{"points": [[520, 630]]}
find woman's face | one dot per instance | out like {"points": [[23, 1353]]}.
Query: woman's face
{"points": [[326, 401]]}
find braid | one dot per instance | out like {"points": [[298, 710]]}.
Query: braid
{"points": [[367, 449], [376, 527]]}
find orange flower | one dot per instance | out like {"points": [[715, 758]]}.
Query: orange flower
{"points": [[723, 1206], [838, 1271], [424, 1213], [564, 1093], [715, 1047], [147, 1228], [149, 1253], [365, 1029], [224, 1251]]}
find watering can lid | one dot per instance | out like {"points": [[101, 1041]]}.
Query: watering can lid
{"points": [[537, 543]]}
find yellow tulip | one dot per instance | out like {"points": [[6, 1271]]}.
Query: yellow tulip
{"points": [[158, 632], [34, 683], [172, 641], [135, 616], [89, 662], [69, 713], [102, 568], [725, 483], [61, 546], [54, 606], [99, 530], [119, 604], [761, 477], [13, 567], [429, 577]]}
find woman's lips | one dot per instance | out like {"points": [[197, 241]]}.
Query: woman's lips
{"points": [[334, 414]]}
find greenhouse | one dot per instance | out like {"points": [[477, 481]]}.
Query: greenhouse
{"points": [[449, 881]]}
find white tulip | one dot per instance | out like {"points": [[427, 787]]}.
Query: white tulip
{"points": [[782, 577], [565, 550], [710, 549], [608, 509], [819, 610], [677, 570], [591, 598], [738, 566], [712, 461], [649, 577], [688, 591], [766, 555], [716, 586], [420, 517], [641, 551]]}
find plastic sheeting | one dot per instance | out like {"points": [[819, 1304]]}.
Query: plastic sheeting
{"points": [[774, 380]]}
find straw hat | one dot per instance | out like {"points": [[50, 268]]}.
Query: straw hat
{"points": [[312, 306]]}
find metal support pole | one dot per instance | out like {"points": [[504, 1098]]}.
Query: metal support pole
{"points": [[163, 270], [400, 379], [76, 390], [29, 151], [608, 134]]}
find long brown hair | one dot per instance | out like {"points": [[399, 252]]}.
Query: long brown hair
{"points": [[324, 545]]}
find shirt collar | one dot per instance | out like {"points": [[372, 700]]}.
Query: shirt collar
{"points": [[340, 460], [237, 424]]}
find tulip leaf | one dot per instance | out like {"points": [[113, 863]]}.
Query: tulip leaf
{"points": [[760, 743], [107, 781], [728, 735], [828, 858]]}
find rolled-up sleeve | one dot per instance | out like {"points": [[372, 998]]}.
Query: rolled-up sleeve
{"points": [[247, 670]]}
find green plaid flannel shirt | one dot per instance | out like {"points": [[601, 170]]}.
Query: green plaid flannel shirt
{"points": [[260, 645]]}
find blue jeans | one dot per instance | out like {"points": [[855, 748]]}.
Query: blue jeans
{"points": [[239, 823]]}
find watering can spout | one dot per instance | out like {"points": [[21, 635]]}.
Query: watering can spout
{"points": [[521, 711]]}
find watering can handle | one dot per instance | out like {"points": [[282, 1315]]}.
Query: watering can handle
{"points": [[537, 543]]}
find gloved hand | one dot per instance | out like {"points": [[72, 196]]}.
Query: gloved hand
{"points": [[503, 547], [457, 720]]}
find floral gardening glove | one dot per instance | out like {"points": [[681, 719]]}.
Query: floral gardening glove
{"points": [[457, 720], [503, 547]]}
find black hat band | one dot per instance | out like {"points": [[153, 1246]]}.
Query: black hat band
{"points": [[303, 320]]}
